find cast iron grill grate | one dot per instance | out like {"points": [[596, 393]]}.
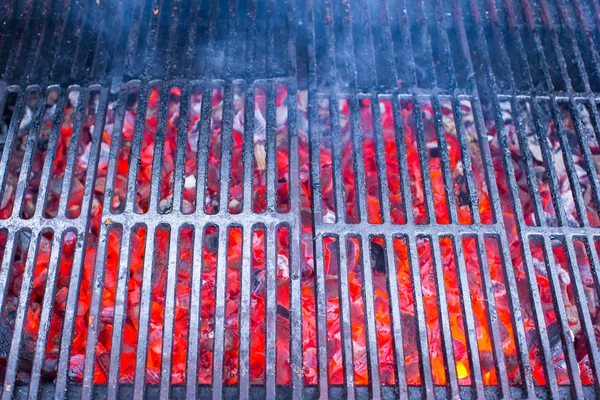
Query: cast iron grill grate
{"points": [[372, 198]]}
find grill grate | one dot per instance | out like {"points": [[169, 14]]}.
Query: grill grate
{"points": [[508, 72]]}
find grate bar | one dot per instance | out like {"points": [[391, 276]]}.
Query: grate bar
{"points": [[133, 38], [295, 252], [271, 311], [466, 159], [18, 35], [559, 306], [548, 165], [509, 276], [158, 153], [28, 153], [346, 328], [219, 315], [425, 42], [382, 176], [136, 145], [120, 312], [139, 384], [565, 22], [407, 45], [445, 161], [582, 137], [423, 163], [46, 315], [13, 358], [246, 283], [421, 331], [583, 310], [492, 314], [340, 210], [321, 318], [396, 317], [469, 318], [15, 346], [195, 310], [271, 157], [391, 275], [10, 138], [52, 268], [447, 340], [569, 163], [203, 148], [534, 293], [82, 102], [246, 279], [367, 39], [169, 313], [532, 183], [315, 179], [370, 325], [77, 263], [123, 275], [426, 371]]}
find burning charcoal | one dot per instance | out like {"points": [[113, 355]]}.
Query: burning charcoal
{"points": [[211, 241], [258, 283], [6, 334], [42, 144], [554, 338], [378, 257], [283, 312], [103, 360], [463, 198], [434, 152]]}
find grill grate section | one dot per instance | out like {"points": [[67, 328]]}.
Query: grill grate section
{"points": [[501, 76]]}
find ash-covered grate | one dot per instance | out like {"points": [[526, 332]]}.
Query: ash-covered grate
{"points": [[369, 199]]}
